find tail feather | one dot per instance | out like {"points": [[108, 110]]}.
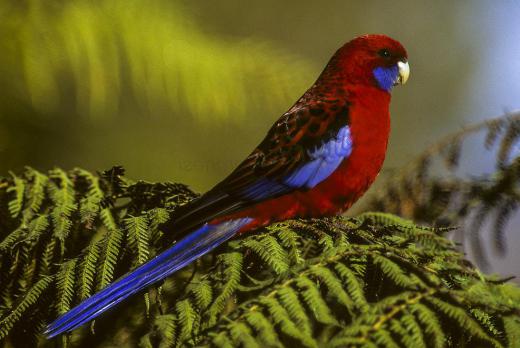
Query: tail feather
{"points": [[179, 255]]}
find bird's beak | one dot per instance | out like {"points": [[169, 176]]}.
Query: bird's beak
{"points": [[404, 72]]}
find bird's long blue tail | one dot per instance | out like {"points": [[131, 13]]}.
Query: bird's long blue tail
{"points": [[179, 255]]}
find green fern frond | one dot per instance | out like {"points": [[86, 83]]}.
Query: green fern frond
{"points": [[111, 249], [512, 331], [313, 298], [29, 299], [36, 192], [393, 271], [414, 330], [352, 286], [87, 270], [37, 227], [65, 282], [17, 190], [203, 294], [61, 191], [459, 315], [270, 251], [290, 240], [12, 238], [89, 205], [138, 235], [286, 325], [233, 266], [289, 299], [429, 320], [334, 285], [186, 322], [265, 332]]}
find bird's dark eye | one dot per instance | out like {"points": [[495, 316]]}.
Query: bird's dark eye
{"points": [[384, 53]]}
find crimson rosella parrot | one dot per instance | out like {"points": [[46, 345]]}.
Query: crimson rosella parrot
{"points": [[317, 160]]}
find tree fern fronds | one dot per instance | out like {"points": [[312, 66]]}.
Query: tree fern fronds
{"points": [[461, 316], [512, 331], [111, 249], [65, 282], [269, 250], [288, 298], [406, 340], [486, 320], [37, 227], [221, 340], [138, 235], [87, 270], [503, 214], [233, 263], [511, 135], [352, 286], [17, 190], [414, 330], [393, 271], [49, 255], [377, 280], [166, 327], [89, 204], [312, 296], [494, 128], [281, 318], [242, 335], [429, 320], [12, 238], [186, 320], [108, 219], [450, 197], [30, 298], [264, 329], [383, 338], [35, 195], [61, 191], [291, 241], [157, 216], [203, 294], [162, 334], [452, 154], [334, 285]]}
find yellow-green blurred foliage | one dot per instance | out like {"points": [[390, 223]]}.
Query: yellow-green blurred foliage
{"points": [[83, 75]]}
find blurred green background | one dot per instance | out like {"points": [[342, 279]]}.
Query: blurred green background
{"points": [[183, 90]]}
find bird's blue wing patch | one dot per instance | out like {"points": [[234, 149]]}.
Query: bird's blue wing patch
{"points": [[324, 160]]}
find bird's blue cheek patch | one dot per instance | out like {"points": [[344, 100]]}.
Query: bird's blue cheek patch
{"points": [[386, 77]]}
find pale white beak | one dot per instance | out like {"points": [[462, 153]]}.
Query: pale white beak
{"points": [[404, 72]]}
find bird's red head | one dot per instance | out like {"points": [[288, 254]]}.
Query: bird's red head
{"points": [[375, 60]]}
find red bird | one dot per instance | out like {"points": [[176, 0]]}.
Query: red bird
{"points": [[317, 160]]}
